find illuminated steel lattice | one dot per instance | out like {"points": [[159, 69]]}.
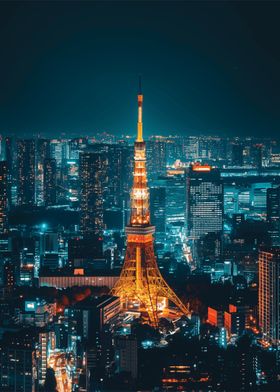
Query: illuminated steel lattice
{"points": [[141, 285]]}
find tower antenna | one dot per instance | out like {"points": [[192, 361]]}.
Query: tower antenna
{"points": [[140, 85]]}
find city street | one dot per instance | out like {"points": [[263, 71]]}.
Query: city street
{"points": [[58, 362]]}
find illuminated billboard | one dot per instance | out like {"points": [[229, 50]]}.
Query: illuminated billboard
{"points": [[30, 306]]}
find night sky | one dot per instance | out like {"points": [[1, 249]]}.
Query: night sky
{"points": [[207, 67]]}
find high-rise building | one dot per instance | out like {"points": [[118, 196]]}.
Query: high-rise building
{"points": [[126, 355], [26, 172], [17, 363], [191, 148], [204, 212], [117, 179], [119, 175], [76, 146], [174, 188], [10, 167], [269, 298], [42, 153], [158, 207], [204, 201], [273, 215], [3, 197], [174, 149], [59, 150], [49, 182], [175, 199], [156, 157], [257, 155], [92, 172], [237, 158]]}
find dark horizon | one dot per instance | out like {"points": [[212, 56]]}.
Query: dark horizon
{"points": [[207, 68]]}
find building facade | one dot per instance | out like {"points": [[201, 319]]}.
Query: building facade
{"points": [[92, 172], [3, 197], [26, 172], [269, 294]]}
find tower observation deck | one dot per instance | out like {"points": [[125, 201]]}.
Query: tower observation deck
{"points": [[141, 286]]}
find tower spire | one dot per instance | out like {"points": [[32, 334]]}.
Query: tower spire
{"points": [[140, 111]]}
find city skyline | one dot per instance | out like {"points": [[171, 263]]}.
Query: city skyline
{"points": [[133, 256], [208, 68]]}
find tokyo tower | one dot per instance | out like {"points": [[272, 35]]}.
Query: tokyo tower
{"points": [[141, 285]]}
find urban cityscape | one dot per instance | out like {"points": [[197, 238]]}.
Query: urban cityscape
{"points": [[140, 260]]}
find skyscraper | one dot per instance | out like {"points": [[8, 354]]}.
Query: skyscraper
{"points": [[269, 289], [118, 175], [17, 353], [42, 153], [49, 182], [204, 201], [205, 204], [257, 155], [10, 167], [92, 172], [273, 215], [237, 155], [26, 172], [158, 208], [3, 197], [156, 157]]}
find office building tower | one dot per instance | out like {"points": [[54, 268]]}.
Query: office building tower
{"points": [[76, 146], [204, 212], [17, 354], [237, 158], [273, 215], [26, 172], [175, 199], [190, 148], [10, 167], [48, 242], [203, 148], [92, 173], [49, 182], [59, 150], [174, 187], [119, 175], [118, 178], [61, 335], [88, 319], [126, 355], [70, 180], [3, 197], [42, 153], [174, 150], [204, 201], [156, 157], [158, 207], [257, 155], [269, 289]]}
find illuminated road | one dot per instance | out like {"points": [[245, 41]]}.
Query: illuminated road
{"points": [[58, 362]]}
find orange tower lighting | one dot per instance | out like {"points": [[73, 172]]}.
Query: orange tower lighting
{"points": [[140, 284]]}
